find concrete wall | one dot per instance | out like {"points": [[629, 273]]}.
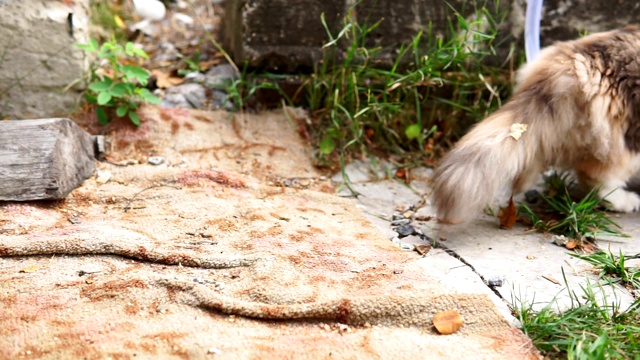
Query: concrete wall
{"points": [[38, 58], [286, 35]]}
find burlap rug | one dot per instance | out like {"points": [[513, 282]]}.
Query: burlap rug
{"points": [[234, 247]]}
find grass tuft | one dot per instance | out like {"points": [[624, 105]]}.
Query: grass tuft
{"points": [[560, 214], [613, 268], [592, 328]]}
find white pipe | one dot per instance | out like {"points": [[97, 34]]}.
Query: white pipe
{"points": [[532, 29]]}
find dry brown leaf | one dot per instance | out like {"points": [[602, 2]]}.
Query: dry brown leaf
{"points": [[572, 244], [588, 247], [422, 249], [403, 174], [447, 322], [29, 269], [164, 80], [508, 215], [207, 64]]}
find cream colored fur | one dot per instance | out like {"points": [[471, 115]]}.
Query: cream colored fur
{"points": [[579, 102]]}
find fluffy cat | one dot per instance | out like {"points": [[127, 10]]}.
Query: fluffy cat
{"points": [[579, 102]]}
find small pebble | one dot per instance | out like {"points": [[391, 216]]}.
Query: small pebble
{"points": [[532, 196], [559, 240], [397, 217], [156, 160], [215, 351], [495, 281], [405, 230], [198, 280], [74, 219], [103, 176], [400, 222], [406, 247]]}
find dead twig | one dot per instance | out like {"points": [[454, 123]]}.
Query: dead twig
{"points": [[128, 205]]}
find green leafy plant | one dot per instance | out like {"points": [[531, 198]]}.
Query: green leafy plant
{"points": [[118, 84]]}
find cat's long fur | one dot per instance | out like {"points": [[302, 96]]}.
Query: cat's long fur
{"points": [[580, 101]]}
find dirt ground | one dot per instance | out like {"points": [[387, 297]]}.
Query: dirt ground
{"points": [[233, 247]]}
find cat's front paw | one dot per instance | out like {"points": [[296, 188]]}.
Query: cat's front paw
{"points": [[621, 200]]}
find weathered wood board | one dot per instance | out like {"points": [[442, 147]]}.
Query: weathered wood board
{"points": [[43, 159]]}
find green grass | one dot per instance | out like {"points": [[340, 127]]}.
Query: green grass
{"points": [[560, 214], [613, 268], [411, 108], [593, 327]]}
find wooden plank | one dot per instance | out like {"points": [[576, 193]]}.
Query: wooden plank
{"points": [[43, 159]]}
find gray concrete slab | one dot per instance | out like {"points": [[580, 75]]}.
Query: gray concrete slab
{"points": [[532, 268]]}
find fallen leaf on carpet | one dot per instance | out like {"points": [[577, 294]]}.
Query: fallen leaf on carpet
{"points": [[447, 322]]}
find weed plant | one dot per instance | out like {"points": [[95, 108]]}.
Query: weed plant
{"points": [[410, 106], [118, 84], [583, 220]]}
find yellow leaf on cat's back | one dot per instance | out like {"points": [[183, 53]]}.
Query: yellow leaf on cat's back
{"points": [[517, 130]]}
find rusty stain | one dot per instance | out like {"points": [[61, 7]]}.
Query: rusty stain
{"points": [[297, 237], [343, 311], [308, 209], [222, 224], [165, 335], [256, 217], [202, 118], [194, 177], [132, 308], [310, 231], [111, 289], [175, 126], [164, 115]]}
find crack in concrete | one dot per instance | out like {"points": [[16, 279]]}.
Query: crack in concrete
{"points": [[454, 254]]}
